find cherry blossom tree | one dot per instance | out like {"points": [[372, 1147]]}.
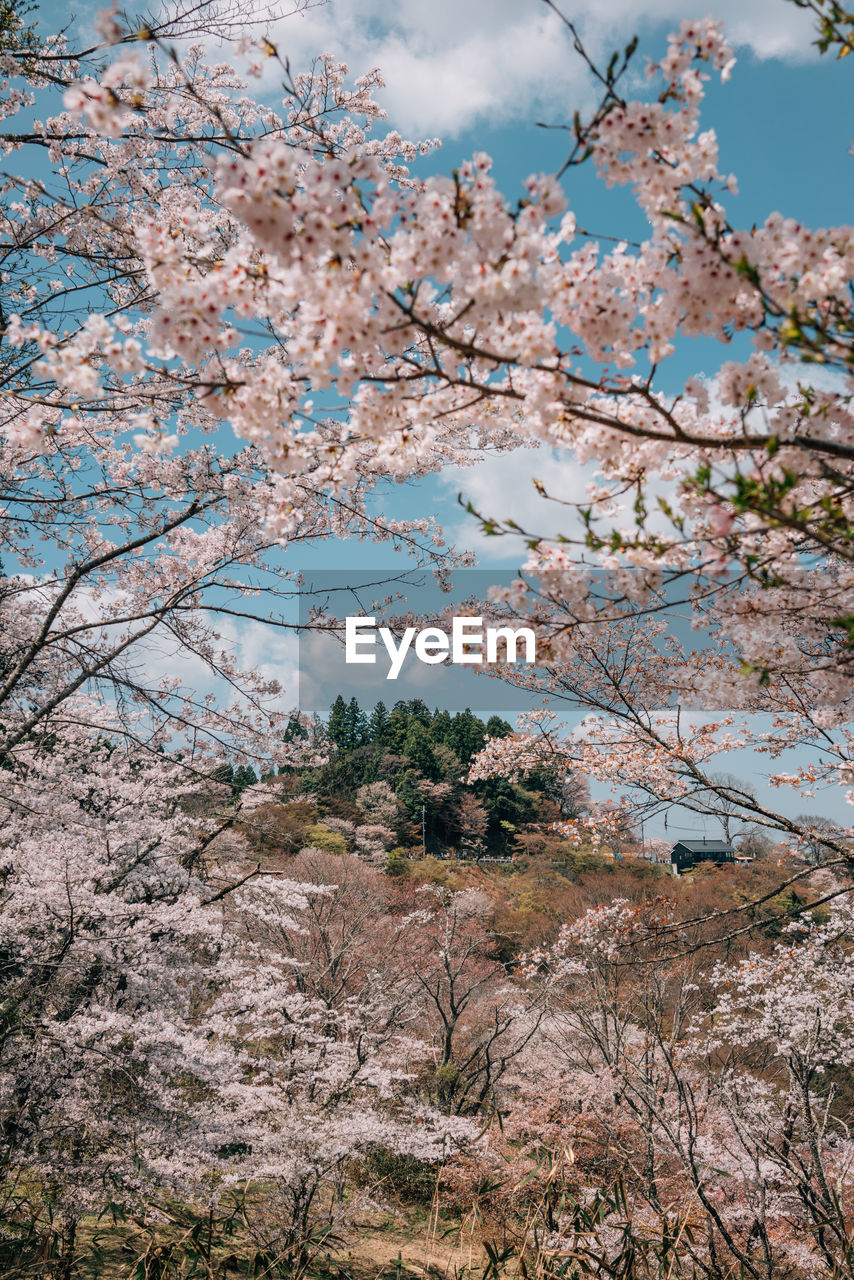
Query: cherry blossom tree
{"points": [[475, 1017], [679, 1115], [105, 929], [176, 1023], [138, 953]]}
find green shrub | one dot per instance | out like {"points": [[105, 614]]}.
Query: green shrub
{"points": [[402, 1176], [320, 837], [398, 862]]}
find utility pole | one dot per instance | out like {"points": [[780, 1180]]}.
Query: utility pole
{"points": [[424, 829]]}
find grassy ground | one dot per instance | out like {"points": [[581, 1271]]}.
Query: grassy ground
{"points": [[403, 1244]]}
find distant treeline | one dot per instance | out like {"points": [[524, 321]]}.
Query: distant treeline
{"points": [[411, 730]]}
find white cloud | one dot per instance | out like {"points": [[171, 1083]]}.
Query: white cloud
{"points": [[270, 651], [502, 488], [451, 63], [769, 28], [445, 64]]}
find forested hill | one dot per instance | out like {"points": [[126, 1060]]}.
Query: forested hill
{"points": [[394, 786]]}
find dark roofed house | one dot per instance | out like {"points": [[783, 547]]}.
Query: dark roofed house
{"points": [[687, 853]]}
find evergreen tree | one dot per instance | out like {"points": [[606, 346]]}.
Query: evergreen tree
{"points": [[440, 726], [498, 728], [509, 807], [466, 735], [346, 772], [378, 724], [244, 776], [296, 730], [417, 749], [398, 727], [337, 726], [357, 726], [419, 711], [409, 795]]}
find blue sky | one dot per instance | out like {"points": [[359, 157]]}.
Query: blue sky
{"points": [[481, 73]]}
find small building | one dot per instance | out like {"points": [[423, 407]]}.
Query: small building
{"points": [[687, 853]]}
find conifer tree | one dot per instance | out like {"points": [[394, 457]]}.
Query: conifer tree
{"points": [[417, 748], [466, 734], [378, 724], [398, 727], [337, 726], [357, 725], [244, 776], [498, 728]]}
